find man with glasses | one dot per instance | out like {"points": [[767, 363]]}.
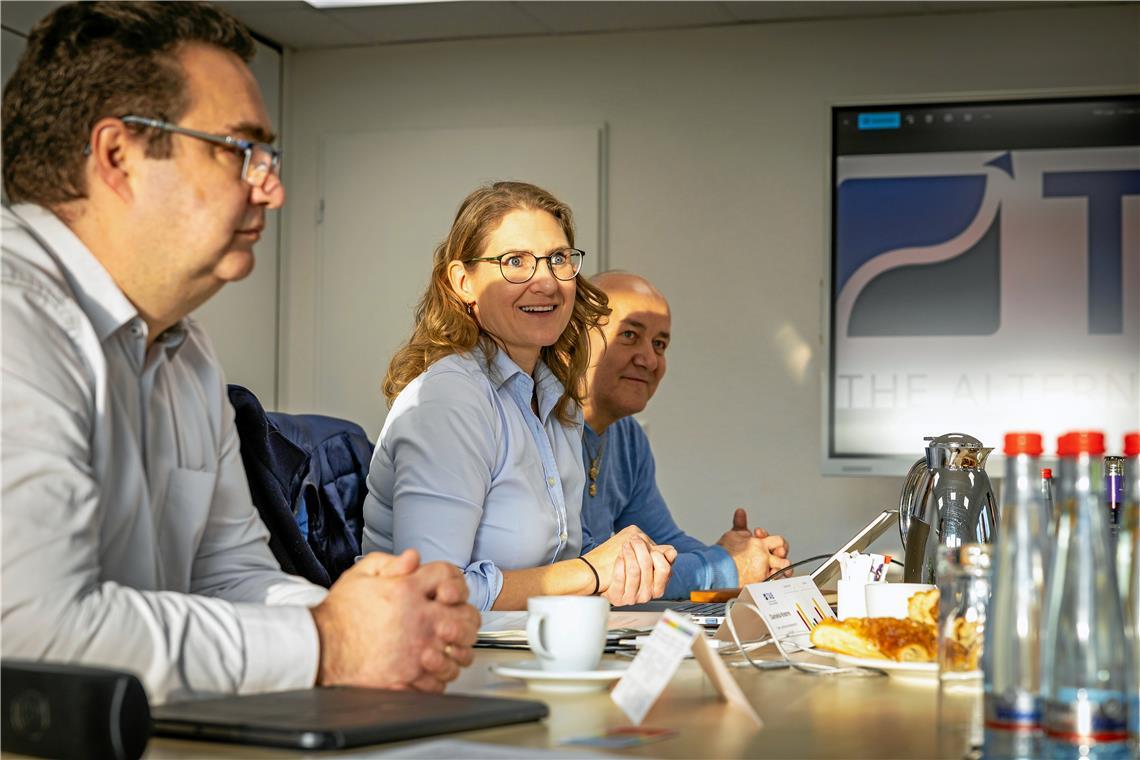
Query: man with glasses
{"points": [[627, 359], [138, 153]]}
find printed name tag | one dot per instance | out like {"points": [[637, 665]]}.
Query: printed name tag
{"points": [[654, 666], [790, 608], [672, 638]]}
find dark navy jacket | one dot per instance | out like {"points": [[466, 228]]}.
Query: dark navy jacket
{"points": [[307, 478]]}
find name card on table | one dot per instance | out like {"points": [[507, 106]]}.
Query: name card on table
{"points": [[788, 608], [672, 638]]}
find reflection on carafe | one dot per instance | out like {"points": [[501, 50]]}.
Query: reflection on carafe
{"points": [[946, 502]]}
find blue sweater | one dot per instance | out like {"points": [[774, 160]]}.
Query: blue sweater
{"points": [[627, 495]]}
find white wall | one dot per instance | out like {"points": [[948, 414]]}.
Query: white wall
{"points": [[716, 186]]}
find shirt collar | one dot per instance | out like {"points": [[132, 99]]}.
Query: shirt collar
{"points": [[95, 291], [172, 338], [548, 388]]}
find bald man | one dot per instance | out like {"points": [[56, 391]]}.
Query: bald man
{"points": [[621, 487]]}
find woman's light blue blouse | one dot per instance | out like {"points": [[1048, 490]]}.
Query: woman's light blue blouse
{"points": [[466, 473]]}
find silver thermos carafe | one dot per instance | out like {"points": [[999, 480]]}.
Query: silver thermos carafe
{"points": [[946, 502]]}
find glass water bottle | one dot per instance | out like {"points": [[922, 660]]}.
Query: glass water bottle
{"points": [[1011, 657], [1128, 574], [1085, 665], [961, 640]]}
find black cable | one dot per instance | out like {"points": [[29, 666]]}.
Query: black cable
{"points": [[797, 564]]}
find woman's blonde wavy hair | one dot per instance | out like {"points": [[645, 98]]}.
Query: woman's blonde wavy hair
{"points": [[442, 324]]}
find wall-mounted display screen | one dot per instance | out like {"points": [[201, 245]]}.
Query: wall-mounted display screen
{"points": [[984, 275]]}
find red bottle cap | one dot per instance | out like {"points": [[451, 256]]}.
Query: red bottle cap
{"points": [[1080, 442], [1063, 447], [1131, 444], [1047, 473], [1023, 443]]}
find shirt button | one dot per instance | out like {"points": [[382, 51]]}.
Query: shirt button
{"points": [[562, 536], [550, 481]]}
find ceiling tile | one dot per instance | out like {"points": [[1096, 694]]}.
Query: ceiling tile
{"points": [[295, 25], [264, 6], [565, 17], [432, 21], [780, 11]]}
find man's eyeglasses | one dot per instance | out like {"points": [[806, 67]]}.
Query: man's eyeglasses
{"points": [[519, 266], [261, 159]]}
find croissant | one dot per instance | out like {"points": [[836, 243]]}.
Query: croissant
{"points": [[923, 606], [878, 638]]}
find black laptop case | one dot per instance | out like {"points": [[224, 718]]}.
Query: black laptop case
{"points": [[337, 717]]}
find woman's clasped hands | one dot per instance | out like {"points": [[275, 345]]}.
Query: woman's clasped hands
{"points": [[631, 568]]}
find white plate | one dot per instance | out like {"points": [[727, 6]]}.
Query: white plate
{"points": [[918, 672], [564, 682]]}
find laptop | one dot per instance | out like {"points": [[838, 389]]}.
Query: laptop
{"points": [[711, 614], [336, 717]]}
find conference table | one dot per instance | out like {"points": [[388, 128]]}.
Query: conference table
{"points": [[804, 716]]}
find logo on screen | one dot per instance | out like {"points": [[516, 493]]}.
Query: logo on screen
{"points": [[922, 255]]}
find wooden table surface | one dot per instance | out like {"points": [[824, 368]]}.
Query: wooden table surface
{"points": [[804, 716]]}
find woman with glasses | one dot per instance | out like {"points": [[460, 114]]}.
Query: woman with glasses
{"points": [[479, 462]]}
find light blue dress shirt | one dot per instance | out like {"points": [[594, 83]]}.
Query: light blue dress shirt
{"points": [[466, 473]]}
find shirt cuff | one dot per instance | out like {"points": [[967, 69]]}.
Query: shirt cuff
{"points": [[282, 648], [484, 584], [723, 567], [295, 591], [710, 567]]}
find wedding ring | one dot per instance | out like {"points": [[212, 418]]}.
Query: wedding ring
{"points": [[447, 651]]}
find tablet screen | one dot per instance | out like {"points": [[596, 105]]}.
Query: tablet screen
{"points": [[829, 570]]}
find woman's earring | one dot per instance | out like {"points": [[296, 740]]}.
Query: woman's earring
{"points": [[471, 309]]}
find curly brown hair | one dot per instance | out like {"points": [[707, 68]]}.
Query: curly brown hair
{"points": [[88, 61], [442, 324]]}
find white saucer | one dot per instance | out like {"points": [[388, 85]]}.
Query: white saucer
{"points": [[563, 682], [917, 672]]}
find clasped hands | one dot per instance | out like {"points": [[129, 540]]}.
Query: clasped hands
{"points": [[631, 568], [390, 622], [757, 554]]}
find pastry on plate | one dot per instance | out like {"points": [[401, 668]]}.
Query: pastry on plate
{"points": [[902, 640], [922, 607]]}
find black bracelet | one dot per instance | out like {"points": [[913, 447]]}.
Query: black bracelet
{"points": [[597, 580]]}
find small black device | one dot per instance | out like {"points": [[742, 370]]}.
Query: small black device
{"points": [[337, 717], [72, 711]]}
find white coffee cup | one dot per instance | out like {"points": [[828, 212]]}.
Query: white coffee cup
{"points": [[890, 599], [852, 600], [567, 633]]}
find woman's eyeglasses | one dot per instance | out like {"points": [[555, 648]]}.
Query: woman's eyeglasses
{"points": [[519, 266]]}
